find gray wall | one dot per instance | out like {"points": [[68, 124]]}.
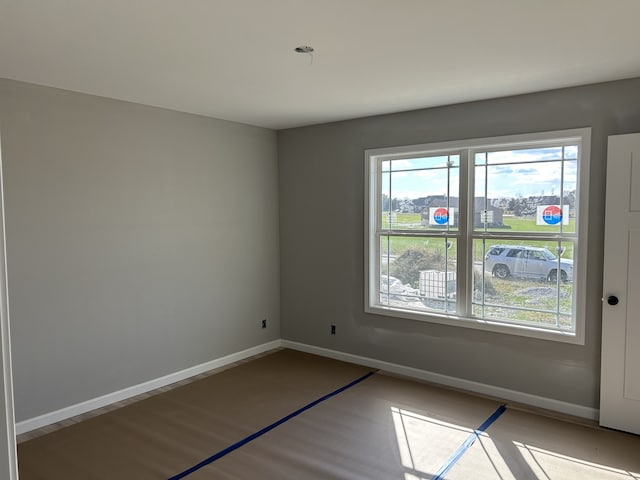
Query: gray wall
{"points": [[321, 171], [140, 242]]}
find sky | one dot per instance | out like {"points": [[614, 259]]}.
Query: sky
{"points": [[504, 174]]}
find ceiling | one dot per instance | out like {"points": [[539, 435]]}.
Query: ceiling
{"points": [[235, 59]]}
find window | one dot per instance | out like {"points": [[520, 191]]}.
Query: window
{"points": [[487, 233]]}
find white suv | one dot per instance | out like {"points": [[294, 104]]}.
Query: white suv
{"points": [[504, 261]]}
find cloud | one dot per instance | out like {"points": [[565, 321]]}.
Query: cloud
{"points": [[521, 156], [520, 172], [500, 169], [423, 163]]}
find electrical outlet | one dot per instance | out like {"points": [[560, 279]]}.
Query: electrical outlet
{"points": [[333, 329], [264, 323]]}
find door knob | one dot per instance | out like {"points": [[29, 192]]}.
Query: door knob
{"points": [[612, 300]]}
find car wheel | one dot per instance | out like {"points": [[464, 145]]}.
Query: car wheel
{"points": [[501, 271], [553, 276]]}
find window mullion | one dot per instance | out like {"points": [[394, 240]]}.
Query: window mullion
{"points": [[465, 257]]}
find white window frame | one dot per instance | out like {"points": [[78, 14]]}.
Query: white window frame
{"points": [[466, 149]]}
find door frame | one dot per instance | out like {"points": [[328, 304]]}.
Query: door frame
{"points": [[8, 448]]}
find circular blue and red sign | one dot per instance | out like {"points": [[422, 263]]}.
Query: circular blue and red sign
{"points": [[441, 216], [552, 215]]}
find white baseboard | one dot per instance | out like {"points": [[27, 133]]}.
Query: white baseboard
{"points": [[481, 388], [110, 398]]}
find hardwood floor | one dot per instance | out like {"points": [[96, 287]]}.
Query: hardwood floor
{"points": [[382, 427]]}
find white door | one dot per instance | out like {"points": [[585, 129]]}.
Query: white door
{"points": [[620, 381]]}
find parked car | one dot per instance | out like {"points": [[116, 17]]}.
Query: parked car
{"points": [[504, 261]]}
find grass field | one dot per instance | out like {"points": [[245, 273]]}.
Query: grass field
{"points": [[537, 296]]}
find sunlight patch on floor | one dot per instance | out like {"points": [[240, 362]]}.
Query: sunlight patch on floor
{"points": [[551, 465], [426, 444]]}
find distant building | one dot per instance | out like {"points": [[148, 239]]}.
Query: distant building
{"points": [[492, 217]]}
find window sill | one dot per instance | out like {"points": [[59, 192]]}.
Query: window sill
{"points": [[495, 326]]}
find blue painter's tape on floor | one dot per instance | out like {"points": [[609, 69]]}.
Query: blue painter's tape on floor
{"points": [[259, 433], [468, 442]]}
